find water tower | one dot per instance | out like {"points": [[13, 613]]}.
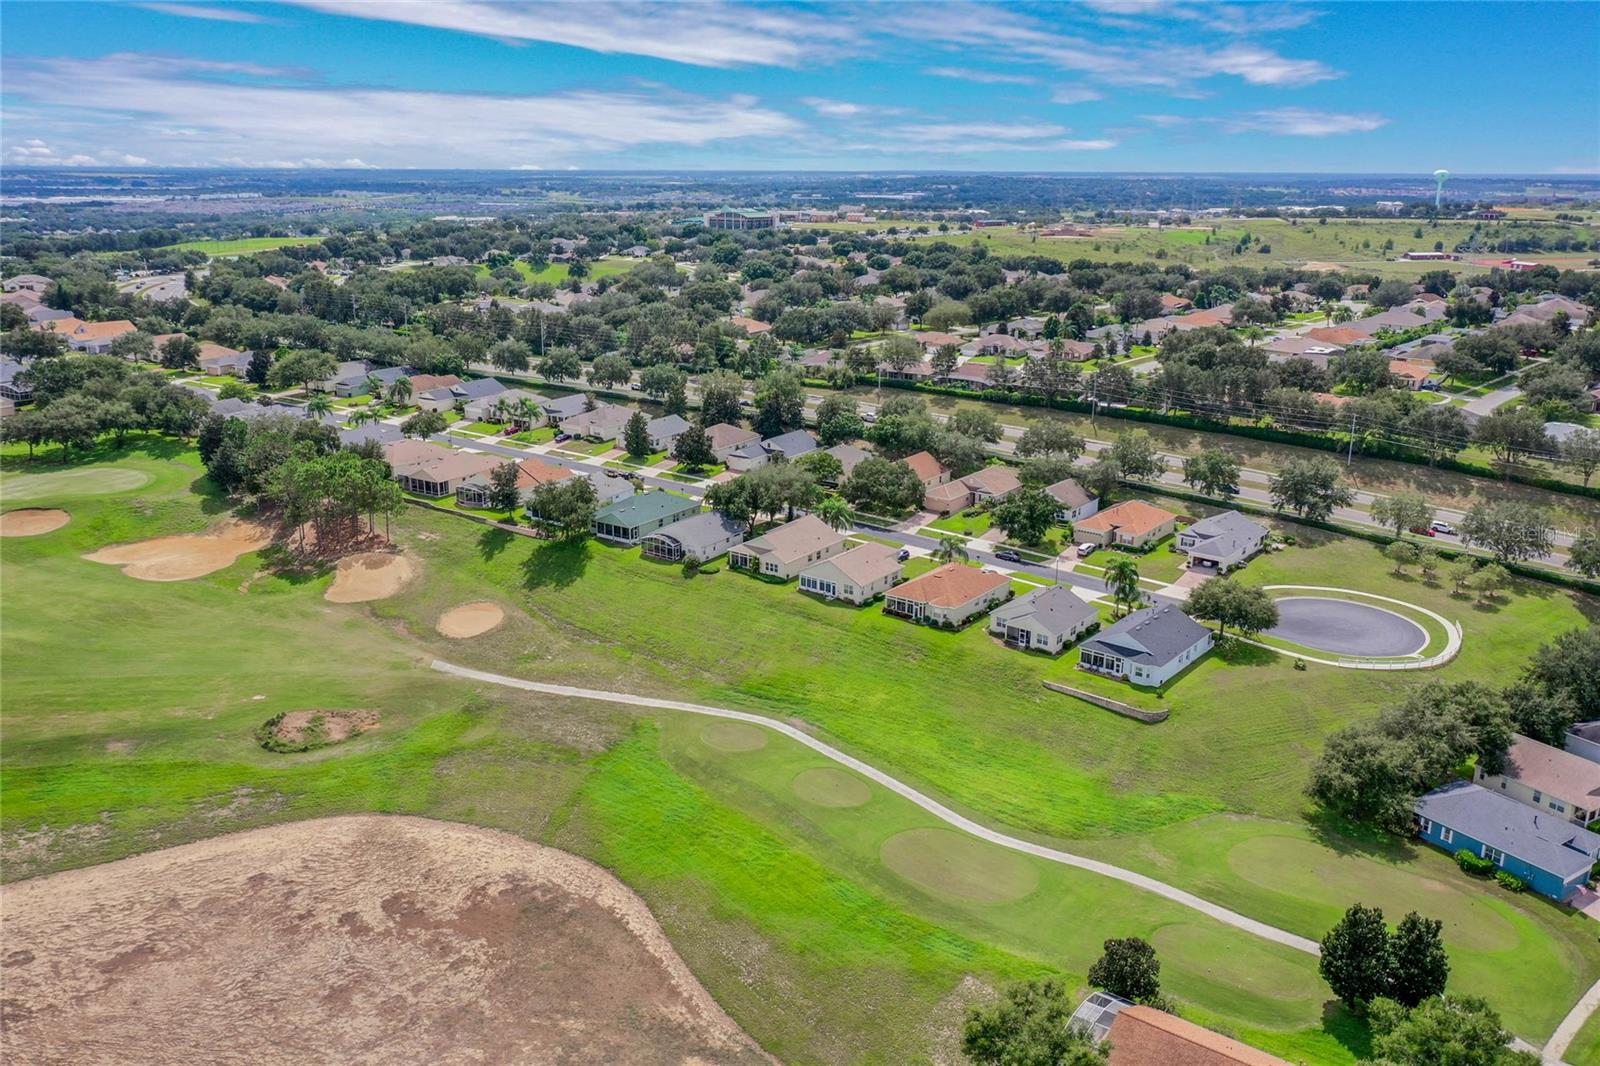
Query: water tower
{"points": [[1439, 178]]}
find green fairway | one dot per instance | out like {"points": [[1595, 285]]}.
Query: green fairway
{"points": [[556, 273], [745, 844], [239, 246]]}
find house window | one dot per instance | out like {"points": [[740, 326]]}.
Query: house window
{"points": [[1494, 855], [1424, 826], [1446, 834], [1538, 797], [1558, 806]]}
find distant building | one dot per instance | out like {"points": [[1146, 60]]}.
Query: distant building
{"points": [[736, 218]]}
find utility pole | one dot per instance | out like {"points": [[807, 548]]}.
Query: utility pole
{"points": [[1351, 453]]}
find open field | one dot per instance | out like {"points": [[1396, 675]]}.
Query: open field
{"points": [[556, 273], [239, 246], [279, 945], [825, 941], [1356, 244]]}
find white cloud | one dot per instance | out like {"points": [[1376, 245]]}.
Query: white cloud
{"points": [[1262, 66], [982, 77], [1165, 121], [967, 138], [231, 111], [846, 109], [703, 34], [1300, 122], [204, 11], [37, 152], [1074, 94]]}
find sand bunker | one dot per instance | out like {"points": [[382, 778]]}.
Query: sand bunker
{"points": [[32, 521], [305, 730], [734, 736], [370, 576], [470, 620], [189, 555], [365, 939]]}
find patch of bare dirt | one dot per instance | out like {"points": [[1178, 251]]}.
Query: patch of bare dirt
{"points": [[371, 576], [470, 620], [367, 939], [188, 555], [32, 521], [302, 730]]}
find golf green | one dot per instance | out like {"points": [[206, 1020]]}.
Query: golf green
{"points": [[828, 787], [82, 481], [953, 865], [734, 736]]}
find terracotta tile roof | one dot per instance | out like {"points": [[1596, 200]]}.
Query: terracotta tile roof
{"points": [[1342, 335], [1401, 368], [531, 472], [952, 585], [751, 325], [993, 479], [925, 466], [96, 331], [421, 383], [1144, 1036], [1134, 517]]}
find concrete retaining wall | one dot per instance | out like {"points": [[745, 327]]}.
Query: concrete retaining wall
{"points": [[1111, 705]]}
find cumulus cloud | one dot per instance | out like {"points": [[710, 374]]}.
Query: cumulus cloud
{"points": [[712, 34], [1300, 122], [265, 115]]}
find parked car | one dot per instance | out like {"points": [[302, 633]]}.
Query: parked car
{"points": [[1422, 531], [870, 417], [902, 555], [1442, 527], [1007, 555], [1086, 549], [562, 438]]}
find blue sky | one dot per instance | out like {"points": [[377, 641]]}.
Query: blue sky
{"points": [[1096, 85]]}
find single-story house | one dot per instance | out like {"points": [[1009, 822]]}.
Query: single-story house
{"points": [[1548, 779], [969, 375], [605, 422], [992, 483], [631, 519], [440, 475], [531, 473], [948, 498], [608, 489], [446, 397], [1318, 352], [379, 378], [216, 359], [857, 575], [789, 445], [702, 536], [1411, 375], [1583, 740], [752, 326], [951, 595], [849, 457], [1129, 524], [665, 431], [1343, 336], [725, 438], [37, 283], [1073, 501], [382, 432], [560, 408], [789, 549], [1148, 646], [10, 387], [1551, 854], [1222, 542], [40, 313], [1047, 619], [1144, 1036], [96, 337], [479, 409], [930, 470], [421, 383], [1173, 305]]}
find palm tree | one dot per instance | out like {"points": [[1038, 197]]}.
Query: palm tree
{"points": [[374, 384], [951, 549], [319, 404], [835, 511], [1122, 577], [1343, 313], [400, 392], [362, 415]]}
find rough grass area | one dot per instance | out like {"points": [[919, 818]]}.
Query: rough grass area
{"points": [[783, 906]]}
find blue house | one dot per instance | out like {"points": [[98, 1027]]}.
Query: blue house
{"points": [[1551, 854]]}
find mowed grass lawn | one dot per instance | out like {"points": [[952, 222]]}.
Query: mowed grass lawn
{"points": [[556, 273], [240, 245], [154, 729]]}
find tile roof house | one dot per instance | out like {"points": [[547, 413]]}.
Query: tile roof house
{"points": [[94, 337], [785, 551], [1144, 1036], [421, 383], [531, 473], [1222, 542], [725, 437], [948, 498], [1047, 620], [1146, 647], [1073, 502], [1410, 374], [1129, 524], [789, 445], [1174, 304], [702, 536], [1549, 779], [631, 519], [992, 483], [1553, 856], [1343, 336], [857, 575], [930, 470], [951, 595], [605, 422], [440, 474], [216, 359], [750, 325]]}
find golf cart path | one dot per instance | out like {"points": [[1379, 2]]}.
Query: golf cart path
{"points": [[1561, 1039], [927, 803]]}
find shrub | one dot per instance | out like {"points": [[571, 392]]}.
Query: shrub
{"points": [[1510, 881], [1473, 864]]}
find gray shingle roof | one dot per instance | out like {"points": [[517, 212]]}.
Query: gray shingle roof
{"points": [[1153, 637], [1546, 840], [698, 534], [477, 389], [563, 407], [1225, 533], [795, 442], [1054, 610]]}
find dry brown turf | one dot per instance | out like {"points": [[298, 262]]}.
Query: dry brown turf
{"points": [[365, 939]]}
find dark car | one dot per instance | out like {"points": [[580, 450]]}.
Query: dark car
{"points": [[1422, 531], [1007, 555], [562, 438], [902, 555]]}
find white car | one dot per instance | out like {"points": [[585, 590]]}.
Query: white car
{"points": [[1086, 549], [1441, 527]]}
